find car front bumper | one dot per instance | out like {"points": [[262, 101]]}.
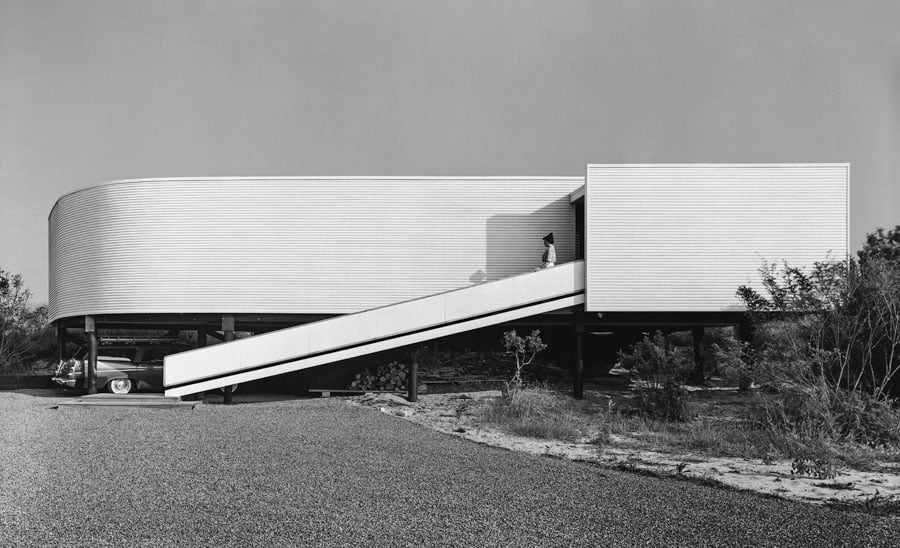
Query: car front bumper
{"points": [[64, 381]]}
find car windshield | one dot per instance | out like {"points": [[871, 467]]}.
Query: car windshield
{"points": [[113, 352], [157, 354], [80, 354]]}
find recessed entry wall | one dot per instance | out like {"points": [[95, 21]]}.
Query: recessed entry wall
{"points": [[683, 237]]}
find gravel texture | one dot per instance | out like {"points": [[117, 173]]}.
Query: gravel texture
{"points": [[325, 473]]}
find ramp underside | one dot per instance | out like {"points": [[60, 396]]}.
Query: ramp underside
{"points": [[375, 330]]}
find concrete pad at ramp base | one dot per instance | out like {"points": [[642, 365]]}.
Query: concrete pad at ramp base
{"points": [[158, 401]]}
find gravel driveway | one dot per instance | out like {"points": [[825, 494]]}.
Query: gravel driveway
{"points": [[322, 472]]}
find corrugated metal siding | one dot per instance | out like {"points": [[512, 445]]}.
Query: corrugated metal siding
{"points": [[295, 245], [684, 237]]}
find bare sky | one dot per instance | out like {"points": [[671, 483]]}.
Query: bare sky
{"points": [[94, 91]]}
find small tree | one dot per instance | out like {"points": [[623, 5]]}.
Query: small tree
{"points": [[23, 330], [524, 350]]}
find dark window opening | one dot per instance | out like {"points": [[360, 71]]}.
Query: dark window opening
{"points": [[579, 229]]}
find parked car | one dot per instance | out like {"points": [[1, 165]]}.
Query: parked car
{"points": [[123, 365]]}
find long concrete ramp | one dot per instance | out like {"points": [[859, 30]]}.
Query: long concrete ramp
{"points": [[375, 330]]}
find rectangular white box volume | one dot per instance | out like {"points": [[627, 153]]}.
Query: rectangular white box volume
{"points": [[683, 237]]}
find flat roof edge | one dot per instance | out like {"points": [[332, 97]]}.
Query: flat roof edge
{"points": [[323, 178], [729, 164]]}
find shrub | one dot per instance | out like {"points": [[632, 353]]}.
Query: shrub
{"points": [[729, 358], [666, 402], [829, 340], [24, 333], [839, 324], [839, 415], [649, 358], [656, 368]]}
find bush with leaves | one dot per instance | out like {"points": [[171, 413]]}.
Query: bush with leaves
{"points": [[655, 367], [666, 402], [524, 349], [881, 244], [656, 360], [829, 338], [648, 358], [810, 412], [24, 332], [843, 331], [729, 358]]}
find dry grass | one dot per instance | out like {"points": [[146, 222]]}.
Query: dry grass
{"points": [[720, 424], [538, 412]]}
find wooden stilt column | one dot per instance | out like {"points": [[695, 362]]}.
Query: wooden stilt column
{"points": [[578, 365], [746, 331], [698, 376], [228, 332], [61, 336], [412, 379], [90, 331], [201, 338]]}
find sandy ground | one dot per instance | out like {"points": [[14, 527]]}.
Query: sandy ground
{"points": [[459, 415]]}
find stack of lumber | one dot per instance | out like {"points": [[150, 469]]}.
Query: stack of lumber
{"points": [[391, 376]]}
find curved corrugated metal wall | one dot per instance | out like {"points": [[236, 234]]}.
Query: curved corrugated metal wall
{"points": [[295, 245]]}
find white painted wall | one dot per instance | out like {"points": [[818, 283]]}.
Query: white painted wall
{"points": [[683, 237], [296, 245]]}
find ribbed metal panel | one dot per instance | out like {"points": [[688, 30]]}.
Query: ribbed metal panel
{"points": [[295, 245], [683, 237]]}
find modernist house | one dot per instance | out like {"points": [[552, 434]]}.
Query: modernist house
{"points": [[323, 269]]}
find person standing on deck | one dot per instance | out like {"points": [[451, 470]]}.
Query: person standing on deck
{"points": [[549, 257]]}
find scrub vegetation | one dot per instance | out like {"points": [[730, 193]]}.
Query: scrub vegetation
{"points": [[824, 367], [828, 346], [25, 336]]}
